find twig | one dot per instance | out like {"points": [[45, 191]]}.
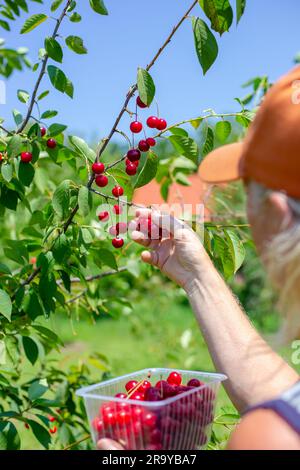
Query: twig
{"points": [[94, 278], [84, 438], [43, 69], [116, 199]]}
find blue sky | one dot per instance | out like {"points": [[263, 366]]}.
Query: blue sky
{"points": [[265, 42]]}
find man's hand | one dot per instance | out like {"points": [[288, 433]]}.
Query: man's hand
{"points": [[179, 253]]}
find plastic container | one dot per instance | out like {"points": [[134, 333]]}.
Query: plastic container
{"points": [[181, 422]]}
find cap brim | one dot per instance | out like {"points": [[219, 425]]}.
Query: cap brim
{"points": [[223, 164]]}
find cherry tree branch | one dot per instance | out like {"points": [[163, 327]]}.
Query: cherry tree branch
{"points": [[106, 141], [43, 69]]}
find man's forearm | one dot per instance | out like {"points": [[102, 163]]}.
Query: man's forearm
{"points": [[254, 370]]}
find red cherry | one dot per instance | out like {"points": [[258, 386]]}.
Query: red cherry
{"points": [[53, 430], [121, 395], [121, 227], [123, 417], [140, 103], [117, 191], [26, 157], [1, 157], [117, 242], [150, 141], [43, 131], [161, 125], [103, 216], [109, 418], [131, 169], [51, 419], [137, 412], [133, 155], [98, 168], [152, 394], [32, 260], [174, 378], [128, 162], [101, 181], [144, 386], [117, 209], [152, 122], [137, 396], [51, 143], [149, 420], [27, 426], [137, 428], [194, 383], [136, 127], [144, 146], [97, 424], [131, 385]]}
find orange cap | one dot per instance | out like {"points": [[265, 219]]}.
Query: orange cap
{"points": [[270, 154]]}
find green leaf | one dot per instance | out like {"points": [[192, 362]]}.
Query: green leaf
{"points": [[146, 86], [75, 17], [26, 173], [61, 199], [7, 171], [9, 198], [4, 269], [53, 49], [148, 172], [56, 4], [37, 389], [61, 248], [205, 43], [99, 7], [5, 305], [31, 349], [18, 118], [14, 146], [56, 129], [223, 130], [107, 258], [82, 148], [219, 12], [23, 96], [85, 201], [181, 178], [50, 113], [43, 95], [75, 43], [240, 9], [2, 353], [69, 88], [57, 78], [179, 131], [236, 248], [33, 22], [185, 146], [209, 142], [41, 433], [222, 250]]}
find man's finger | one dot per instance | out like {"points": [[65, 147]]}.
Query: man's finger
{"points": [[150, 257], [108, 444]]}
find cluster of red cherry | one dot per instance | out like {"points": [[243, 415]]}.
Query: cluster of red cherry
{"points": [[26, 157], [131, 165], [179, 424]]}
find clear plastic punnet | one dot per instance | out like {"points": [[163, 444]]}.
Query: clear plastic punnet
{"points": [[179, 422]]}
